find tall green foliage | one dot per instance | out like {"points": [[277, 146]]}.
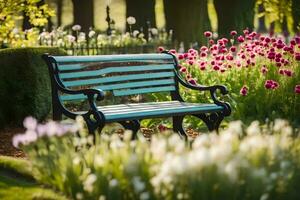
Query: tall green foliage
{"points": [[10, 11]]}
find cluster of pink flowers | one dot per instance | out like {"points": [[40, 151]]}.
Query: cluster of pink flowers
{"points": [[271, 84], [222, 54]]}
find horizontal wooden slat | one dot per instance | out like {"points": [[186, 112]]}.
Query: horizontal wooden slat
{"points": [[137, 84], [142, 114], [143, 90], [118, 79], [70, 67], [126, 85], [115, 69], [111, 58]]}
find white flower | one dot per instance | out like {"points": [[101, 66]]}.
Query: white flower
{"points": [[113, 183], [144, 196], [280, 124], [76, 160], [71, 38], [135, 33], [76, 28], [138, 184], [81, 37], [253, 128], [30, 123], [99, 161], [231, 170], [79, 196], [88, 184], [91, 33], [131, 20], [235, 127], [154, 31], [102, 197]]}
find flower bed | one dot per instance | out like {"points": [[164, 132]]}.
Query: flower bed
{"points": [[261, 72], [258, 162]]}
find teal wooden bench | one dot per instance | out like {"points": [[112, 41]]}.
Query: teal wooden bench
{"points": [[78, 78]]}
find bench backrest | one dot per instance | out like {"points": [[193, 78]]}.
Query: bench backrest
{"points": [[120, 74]]}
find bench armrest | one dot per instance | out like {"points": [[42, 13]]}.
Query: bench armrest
{"points": [[90, 93], [212, 88]]}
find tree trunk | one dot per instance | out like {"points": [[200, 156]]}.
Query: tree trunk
{"points": [[261, 21], [83, 12], [234, 15], [144, 13], [296, 15], [59, 4], [188, 20]]}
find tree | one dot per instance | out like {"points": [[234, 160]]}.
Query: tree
{"points": [[26, 20], [296, 15], [144, 13], [187, 19], [83, 12], [261, 20], [11, 9], [234, 15], [59, 4]]}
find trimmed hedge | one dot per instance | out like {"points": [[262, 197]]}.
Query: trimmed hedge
{"points": [[24, 84]]}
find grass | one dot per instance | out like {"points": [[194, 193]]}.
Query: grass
{"points": [[16, 182]]}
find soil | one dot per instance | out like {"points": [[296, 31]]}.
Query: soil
{"points": [[6, 147]]}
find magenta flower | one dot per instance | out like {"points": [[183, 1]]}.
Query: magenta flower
{"points": [[182, 69], [288, 73], [207, 34], [246, 31], [264, 70], [180, 56], [297, 89], [241, 39], [216, 68], [191, 62], [270, 84], [233, 49], [233, 33], [160, 49], [192, 81], [203, 54], [173, 51], [244, 90], [204, 49], [297, 56]]}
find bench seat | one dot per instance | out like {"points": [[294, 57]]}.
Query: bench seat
{"points": [[115, 113]]}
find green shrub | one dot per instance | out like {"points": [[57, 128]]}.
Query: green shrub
{"points": [[24, 84]]}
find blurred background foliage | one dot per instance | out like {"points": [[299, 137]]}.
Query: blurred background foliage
{"points": [[188, 20]]}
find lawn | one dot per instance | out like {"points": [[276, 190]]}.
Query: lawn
{"points": [[16, 182]]}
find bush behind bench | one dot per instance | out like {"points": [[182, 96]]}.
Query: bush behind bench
{"points": [[24, 84]]}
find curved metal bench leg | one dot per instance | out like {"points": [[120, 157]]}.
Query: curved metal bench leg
{"points": [[133, 125], [212, 120], [177, 126], [94, 121]]}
